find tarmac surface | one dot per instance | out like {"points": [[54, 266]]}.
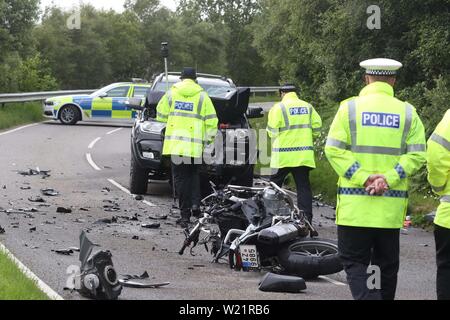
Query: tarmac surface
{"points": [[89, 166]]}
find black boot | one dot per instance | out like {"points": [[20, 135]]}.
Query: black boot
{"points": [[185, 219], [196, 212]]}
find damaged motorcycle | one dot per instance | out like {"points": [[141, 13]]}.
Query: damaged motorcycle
{"points": [[260, 228]]}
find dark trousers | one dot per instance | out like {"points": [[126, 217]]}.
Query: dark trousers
{"points": [[361, 247], [304, 193], [442, 237], [187, 187]]}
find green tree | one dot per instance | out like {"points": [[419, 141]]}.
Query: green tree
{"points": [[320, 43], [17, 18], [21, 68], [234, 21]]}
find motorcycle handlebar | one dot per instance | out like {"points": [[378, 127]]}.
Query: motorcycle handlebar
{"points": [[181, 252], [187, 242]]}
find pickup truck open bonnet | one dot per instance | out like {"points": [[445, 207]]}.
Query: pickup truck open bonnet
{"points": [[229, 108]]}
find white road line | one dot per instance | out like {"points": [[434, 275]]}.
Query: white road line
{"points": [[17, 129], [91, 146], [30, 275], [91, 162], [338, 283], [119, 186], [114, 131], [149, 203]]}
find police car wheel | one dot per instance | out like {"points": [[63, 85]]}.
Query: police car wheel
{"points": [[310, 258], [69, 115]]}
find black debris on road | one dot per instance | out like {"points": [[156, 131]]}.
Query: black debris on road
{"points": [[151, 225], [64, 252], [35, 172], [106, 220], [37, 199], [63, 210], [111, 206]]}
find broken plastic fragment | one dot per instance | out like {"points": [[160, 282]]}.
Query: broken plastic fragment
{"points": [[158, 217], [151, 225], [50, 192], [36, 199], [65, 252], [135, 277], [106, 221], [278, 283], [111, 206], [133, 218], [63, 210], [138, 285], [35, 172]]}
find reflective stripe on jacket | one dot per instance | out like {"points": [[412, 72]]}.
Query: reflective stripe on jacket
{"points": [[191, 119], [439, 169], [375, 133], [292, 124]]}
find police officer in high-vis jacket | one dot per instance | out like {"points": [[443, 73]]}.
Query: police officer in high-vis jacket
{"points": [[292, 125], [191, 123], [439, 178], [375, 144]]}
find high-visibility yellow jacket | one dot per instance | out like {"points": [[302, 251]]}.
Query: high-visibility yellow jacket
{"points": [[439, 169], [292, 124], [191, 119], [375, 133]]}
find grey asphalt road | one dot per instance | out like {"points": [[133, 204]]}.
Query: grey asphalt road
{"points": [[63, 150]]}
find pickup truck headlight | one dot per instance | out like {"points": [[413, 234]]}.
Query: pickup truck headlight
{"points": [[152, 127]]}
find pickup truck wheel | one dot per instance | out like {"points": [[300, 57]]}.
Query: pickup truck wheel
{"points": [[69, 115], [138, 178]]}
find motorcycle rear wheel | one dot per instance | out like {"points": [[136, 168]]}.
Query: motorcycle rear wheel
{"points": [[310, 258]]}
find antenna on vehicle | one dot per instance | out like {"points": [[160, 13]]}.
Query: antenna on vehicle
{"points": [[165, 55]]}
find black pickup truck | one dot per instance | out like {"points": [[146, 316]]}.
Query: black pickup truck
{"points": [[231, 104]]}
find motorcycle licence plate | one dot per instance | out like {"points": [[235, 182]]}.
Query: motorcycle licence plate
{"points": [[249, 256]]}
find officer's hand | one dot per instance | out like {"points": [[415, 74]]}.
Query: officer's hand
{"points": [[372, 179], [376, 185], [381, 186]]}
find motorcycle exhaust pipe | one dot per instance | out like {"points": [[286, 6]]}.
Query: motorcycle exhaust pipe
{"points": [[281, 233]]}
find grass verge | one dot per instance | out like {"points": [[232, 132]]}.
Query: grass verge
{"points": [[15, 114], [270, 98], [14, 285]]}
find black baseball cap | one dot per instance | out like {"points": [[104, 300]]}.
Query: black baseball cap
{"points": [[288, 87], [189, 73]]}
